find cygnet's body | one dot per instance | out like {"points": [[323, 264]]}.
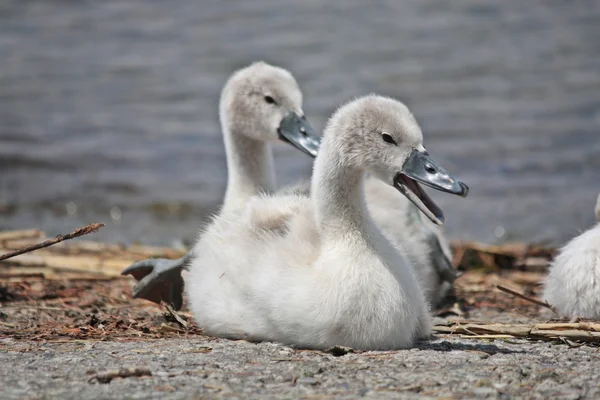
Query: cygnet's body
{"points": [[572, 286], [417, 238], [315, 271]]}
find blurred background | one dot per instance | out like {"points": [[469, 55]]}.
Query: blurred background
{"points": [[108, 109]]}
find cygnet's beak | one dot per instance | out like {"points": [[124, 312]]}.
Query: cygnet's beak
{"points": [[297, 131], [419, 167]]}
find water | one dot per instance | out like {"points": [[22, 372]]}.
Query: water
{"points": [[108, 110]]}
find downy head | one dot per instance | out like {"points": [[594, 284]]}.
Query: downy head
{"points": [[264, 103], [382, 136]]}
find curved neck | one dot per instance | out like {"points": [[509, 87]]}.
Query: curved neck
{"points": [[249, 169], [337, 193]]}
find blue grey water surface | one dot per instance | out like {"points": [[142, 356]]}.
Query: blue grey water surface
{"points": [[108, 109]]}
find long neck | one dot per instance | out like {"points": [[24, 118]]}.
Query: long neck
{"points": [[337, 192], [249, 168]]}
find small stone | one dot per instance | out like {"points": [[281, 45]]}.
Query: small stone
{"points": [[482, 383], [484, 391], [286, 378], [308, 381]]}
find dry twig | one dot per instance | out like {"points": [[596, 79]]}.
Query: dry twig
{"points": [[171, 312], [527, 298], [76, 233]]}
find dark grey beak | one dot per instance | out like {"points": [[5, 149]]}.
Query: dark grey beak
{"points": [[420, 168], [297, 131]]}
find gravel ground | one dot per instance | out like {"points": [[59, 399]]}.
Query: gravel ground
{"points": [[202, 367]]}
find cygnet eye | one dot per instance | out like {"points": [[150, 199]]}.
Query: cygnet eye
{"points": [[270, 100], [388, 138]]}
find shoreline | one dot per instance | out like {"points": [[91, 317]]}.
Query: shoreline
{"points": [[69, 329]]}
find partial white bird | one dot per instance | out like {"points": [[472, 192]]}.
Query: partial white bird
{"points": [[259, 104], [572, 286], [316, 271]]}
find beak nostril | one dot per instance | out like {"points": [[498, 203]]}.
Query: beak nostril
{"points": [[430, 168]]}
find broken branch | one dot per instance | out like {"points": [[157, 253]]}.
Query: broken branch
{"points": [[60, 238], [527, 298]]}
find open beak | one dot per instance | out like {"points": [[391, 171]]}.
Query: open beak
{"points": [[420, 168], [297, 131]]}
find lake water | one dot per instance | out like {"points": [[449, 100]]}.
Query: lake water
{"points": [[108, 109]]}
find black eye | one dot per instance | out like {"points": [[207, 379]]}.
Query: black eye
{"points": [[269, 100], [388, 139]]}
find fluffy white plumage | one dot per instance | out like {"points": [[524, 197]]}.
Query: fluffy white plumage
{"points": [[573, 282], [316, 271], [412, 234], [409, 231]]}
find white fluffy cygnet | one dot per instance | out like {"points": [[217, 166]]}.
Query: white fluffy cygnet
{"points": [[316, 271], [259, 104]]}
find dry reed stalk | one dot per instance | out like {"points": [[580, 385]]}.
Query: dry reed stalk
{"points": [[76, 233], [525, 297], [582, 331]]}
